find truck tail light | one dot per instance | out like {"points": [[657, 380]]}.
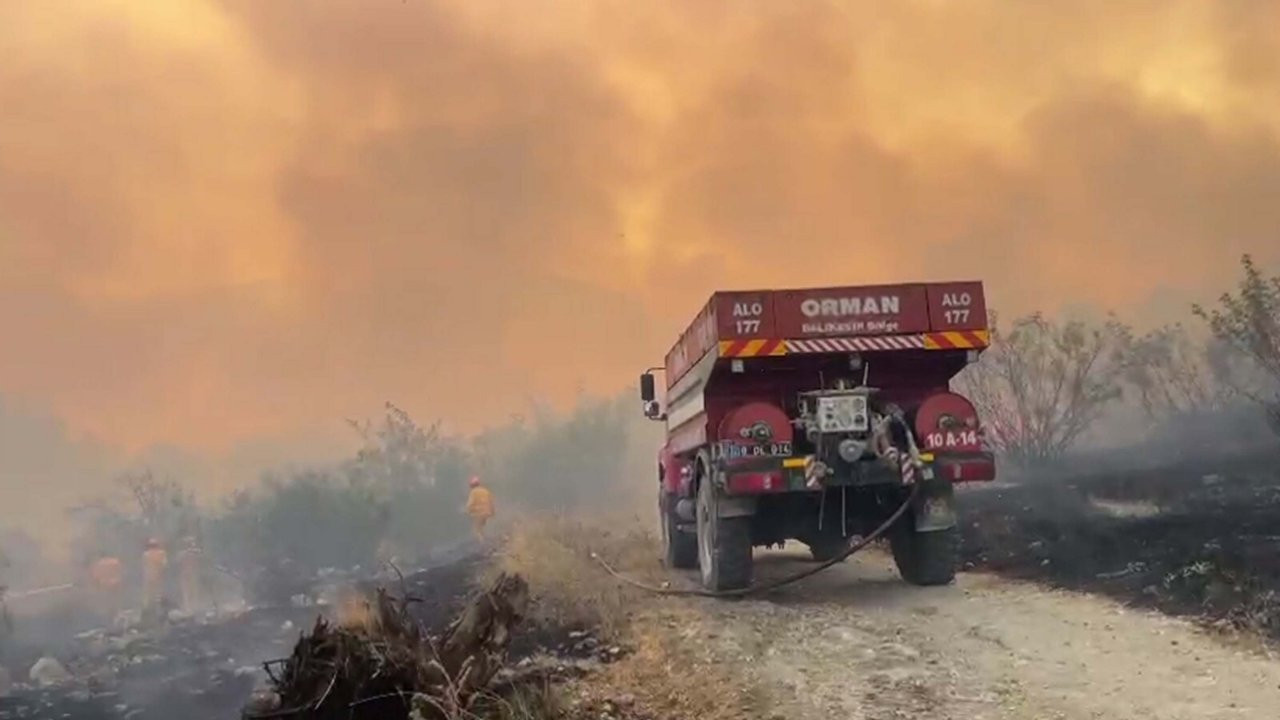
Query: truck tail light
{"points": [[747, 483]]}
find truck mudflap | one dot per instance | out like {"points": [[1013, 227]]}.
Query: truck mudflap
{"points": [[934, 507]]}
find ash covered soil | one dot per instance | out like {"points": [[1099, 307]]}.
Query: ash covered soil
{"points": [[1199, 539], [207, 670]]}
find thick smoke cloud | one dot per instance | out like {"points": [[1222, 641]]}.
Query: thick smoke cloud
{"points": [[224, 221]]}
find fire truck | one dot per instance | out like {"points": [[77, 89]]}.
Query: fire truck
{"points": [[815, 415]]}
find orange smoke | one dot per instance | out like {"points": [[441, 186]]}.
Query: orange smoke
{"points": [[222, 221]]}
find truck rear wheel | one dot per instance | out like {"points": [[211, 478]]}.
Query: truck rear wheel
{"points": [[679, 547], [724, 544], [924, 558]]}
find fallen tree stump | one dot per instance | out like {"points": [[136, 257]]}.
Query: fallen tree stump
{"points": [[382, 664]]}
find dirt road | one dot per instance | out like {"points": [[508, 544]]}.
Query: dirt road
{"points": [[856, 642]]}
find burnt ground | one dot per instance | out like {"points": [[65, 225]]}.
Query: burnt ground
{"points": [[206, 671], [1198, 538]]}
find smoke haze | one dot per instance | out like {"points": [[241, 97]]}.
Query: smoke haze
{"points": [[227, 223]]}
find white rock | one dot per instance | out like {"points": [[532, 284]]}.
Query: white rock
{"points": [[262, 701], [48, 671]]}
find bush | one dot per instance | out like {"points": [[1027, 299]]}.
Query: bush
{"points": [[401, 495], [143, 506], [315, 519], [576, 462], [1248, 322], [1040, 386], [1171, 375]]}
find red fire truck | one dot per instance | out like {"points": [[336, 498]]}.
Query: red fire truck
{"points": [[813, 415]]}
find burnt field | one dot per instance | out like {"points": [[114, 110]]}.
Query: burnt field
{"points": [[207, 670], [1197, 538]]}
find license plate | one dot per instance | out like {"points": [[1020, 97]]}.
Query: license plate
{"points": [[736, 452]]}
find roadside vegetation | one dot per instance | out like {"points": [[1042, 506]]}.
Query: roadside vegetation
{"points": [[1045, 386]]}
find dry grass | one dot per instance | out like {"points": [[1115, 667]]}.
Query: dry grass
{"points": [[528, 702], [669, 677], [664, 675], [568, 587]]}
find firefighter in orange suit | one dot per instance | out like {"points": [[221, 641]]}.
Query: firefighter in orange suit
{"points": [[155, 563], [107, 577], [479, 507]]}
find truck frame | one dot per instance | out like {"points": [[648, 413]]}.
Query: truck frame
{"points": [[812, 415]]}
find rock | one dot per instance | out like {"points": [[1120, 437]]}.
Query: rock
{"points": [[48, 672], [839, 633], [262, 701]]}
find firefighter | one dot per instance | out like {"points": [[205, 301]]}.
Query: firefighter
{"points": [[155, 561], [479, 507], [191, 579], [106, 576]]}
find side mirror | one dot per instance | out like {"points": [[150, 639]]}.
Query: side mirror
{"points": [[649, 396], [647, 392]]}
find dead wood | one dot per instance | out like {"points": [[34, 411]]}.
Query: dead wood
{"points": [[374, 667]]}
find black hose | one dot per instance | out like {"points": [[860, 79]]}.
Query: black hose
{"points": [[774, 584]]}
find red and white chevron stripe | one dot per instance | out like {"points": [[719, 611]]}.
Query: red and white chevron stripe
{"points": [[856, 344]]}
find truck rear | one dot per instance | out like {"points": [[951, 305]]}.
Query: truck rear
{"points": [[813, 415]]}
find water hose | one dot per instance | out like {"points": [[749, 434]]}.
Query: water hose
{"points": [[772, 584]]}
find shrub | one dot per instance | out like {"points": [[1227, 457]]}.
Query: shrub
{"points": [[1041, 385], [1248, 322]]}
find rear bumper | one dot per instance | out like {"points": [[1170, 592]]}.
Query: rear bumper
{"points": [[778, 475]]}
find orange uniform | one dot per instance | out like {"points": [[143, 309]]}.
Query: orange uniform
{"points": [[480, 508], [107, 576], [107, 573]]}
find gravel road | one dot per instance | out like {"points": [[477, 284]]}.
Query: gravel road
{"points": [[855, 642]]}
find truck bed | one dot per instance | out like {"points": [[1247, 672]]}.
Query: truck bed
{"points": [[868, 318]]}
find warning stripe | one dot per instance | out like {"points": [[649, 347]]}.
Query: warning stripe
{"points": [[957, 339], [755, 347], [762, 347], [856, 344]]}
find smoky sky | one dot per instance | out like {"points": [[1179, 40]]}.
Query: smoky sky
{"points": [[225, 222]]}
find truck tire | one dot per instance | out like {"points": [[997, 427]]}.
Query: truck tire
{"points": [[679, 547], [924, 558], [724, 544]]}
